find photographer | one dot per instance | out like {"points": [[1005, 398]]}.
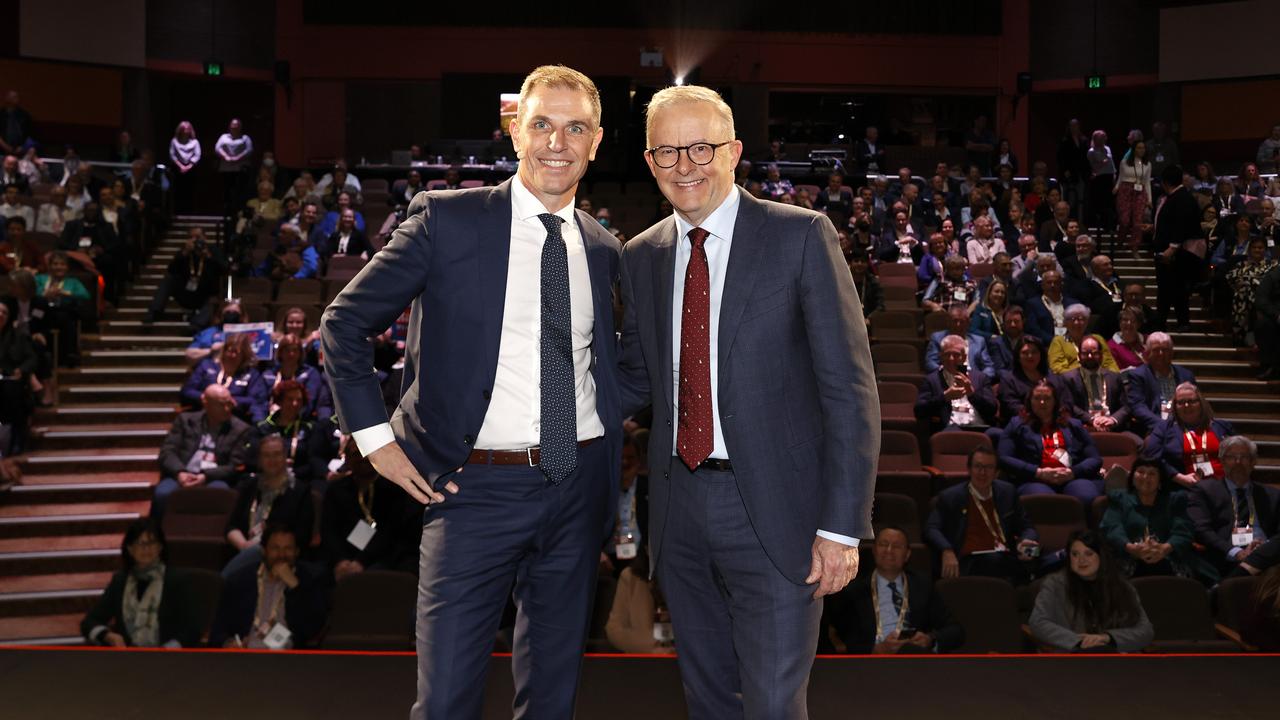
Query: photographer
{"points": [[191, 280]]}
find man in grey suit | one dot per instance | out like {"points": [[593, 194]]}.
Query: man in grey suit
{"points": [[743, 327]]}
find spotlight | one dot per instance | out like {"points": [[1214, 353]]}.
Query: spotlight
{"points": [[679, 79]]}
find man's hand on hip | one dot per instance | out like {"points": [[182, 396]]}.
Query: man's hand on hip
{"points": [[392, 464], [834, 565]]}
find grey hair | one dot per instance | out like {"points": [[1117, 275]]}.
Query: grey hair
{"points": [[1158, 336], [1238, 440], [688, 94], [1077, 309], [952, 340]]}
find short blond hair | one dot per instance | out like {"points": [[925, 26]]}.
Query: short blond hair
{"points": [[688, 94], [559, 76]]}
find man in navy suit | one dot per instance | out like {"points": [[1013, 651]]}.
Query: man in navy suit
{"points": [[975, 350], [1150, 387], [743, 328], [510, 425]]}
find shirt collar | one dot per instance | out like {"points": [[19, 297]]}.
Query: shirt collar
{"points": [[719, 223], [525, 206]]}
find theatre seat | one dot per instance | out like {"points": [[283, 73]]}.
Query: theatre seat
{"points": [[900, 471], [987, 609], [897, 510], [373, 610], [949, 454], [1054, 517], [897, 406], [195, 525], [1233, 598], [1179, 610]]}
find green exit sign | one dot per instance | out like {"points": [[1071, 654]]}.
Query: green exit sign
{"points": [[212, 68], [1095, 82]]}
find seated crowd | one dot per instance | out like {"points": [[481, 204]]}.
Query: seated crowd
{"points": [[1038, 348]]}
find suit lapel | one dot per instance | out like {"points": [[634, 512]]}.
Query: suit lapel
{"points": [[664, 273], [493, 239], [740, 277]]}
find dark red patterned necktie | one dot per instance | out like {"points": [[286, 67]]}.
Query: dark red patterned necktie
{"points": [[696, 436]]}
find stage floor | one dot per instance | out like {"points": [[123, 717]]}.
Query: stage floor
{"points": [[108, 684]]}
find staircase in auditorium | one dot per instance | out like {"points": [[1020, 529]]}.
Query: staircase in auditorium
{"points": [[92, 460]]}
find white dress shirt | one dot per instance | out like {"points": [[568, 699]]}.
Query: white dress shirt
{"points": [[235, 147], [720, 225], [512, 421]]}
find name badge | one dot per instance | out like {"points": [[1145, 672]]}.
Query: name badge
{"points": [[1059, 331], [1137, 186], [1242, 537], [625, 551], [86, 242], [961, 295], [278, 638], [1204, 467], [192, 284], [208, 465], [663, 633], [1271, 242], [1159, 157], [1061, 456], [361, 534], [1165, 407], [37, 313]]}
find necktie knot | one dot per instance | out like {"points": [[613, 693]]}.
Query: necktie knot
{"points": [[552, 223], [698, 237]]}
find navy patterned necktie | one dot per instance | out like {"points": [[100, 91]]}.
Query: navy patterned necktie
{"points": [[559, 409]]}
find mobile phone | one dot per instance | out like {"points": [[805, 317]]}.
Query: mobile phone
{"points": [[963, 368]]}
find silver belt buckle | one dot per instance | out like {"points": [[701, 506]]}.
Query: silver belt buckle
{"points": [[529, 454]]}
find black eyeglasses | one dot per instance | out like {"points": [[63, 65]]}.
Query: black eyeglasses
{"points": [[666, 156]]}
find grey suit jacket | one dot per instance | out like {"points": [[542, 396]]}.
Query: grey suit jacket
{"points": [[796, 387]]}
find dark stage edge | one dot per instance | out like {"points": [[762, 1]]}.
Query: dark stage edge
{"points": [[114, 684]]}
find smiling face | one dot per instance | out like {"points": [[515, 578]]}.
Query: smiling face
{"points": [[1084, 561], [555, 137], [694, 190]]}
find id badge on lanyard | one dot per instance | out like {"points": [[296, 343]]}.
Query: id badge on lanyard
{"points": [[1200, 456]]}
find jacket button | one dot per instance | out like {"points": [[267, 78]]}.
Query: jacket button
{"points": [[487, 394], [666, 474], [468, 439]]}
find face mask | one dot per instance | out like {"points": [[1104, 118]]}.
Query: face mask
{"points": [[231, 317], [603, 221]]}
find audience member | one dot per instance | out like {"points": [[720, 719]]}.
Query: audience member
{"points": [[18, 361], [953, 289], [333, 218], [1087, 606], [868, 286], [15, 124], [1127, 345], [204, 448], [289, 365], [279, 603], [347, 239], [1266, 305], [147, 603], [208, 342], [1151, 386], [892, 610], [1029, 367], [292, 256], [1135, 299], [367, 522], [987, 318], [1096, 393], [1047, 312], [53, 216], [97, 242], [1030, 283], [192, 279], [1003, 544], [1133, 195], [1236, 519], [1186, 443], [952, 398], [1055, 228], [869, 152], [1178, 247], [1064, 350], [639, 621], [1103, 292], [339, 185], [1000, 346], [271, 495], [184, 152], [975, 345], [233, 368], [1148, 527], [1047, 452], [1244, 279], [233, 148], [17, 250], [288, 419], [12, 205], [1102, 168]]}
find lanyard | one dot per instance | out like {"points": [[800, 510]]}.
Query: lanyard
{"points": [[366, 505], [1235, 508], [1204, 441], [197, 270], [994, 527], [1053, 439], [265, 626], [875, 603]]}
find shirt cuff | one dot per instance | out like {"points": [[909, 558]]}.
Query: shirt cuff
{"points": [[1233, 552], [842, 539], [372, 438]]}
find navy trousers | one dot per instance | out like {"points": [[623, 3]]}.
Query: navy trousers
{"points": [[509, 526], [745, 635]]}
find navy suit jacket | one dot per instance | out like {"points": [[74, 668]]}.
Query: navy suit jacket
{"points": [[1209, 507], [949, 519], [1164, 444], [1039, 321], [979, 359], [448, 259], [1021, 447], [797, 391], [1117, 402], [934, 408], [1144, 395]]}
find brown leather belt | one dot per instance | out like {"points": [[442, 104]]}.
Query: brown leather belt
{"points": [[528, 456]]}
